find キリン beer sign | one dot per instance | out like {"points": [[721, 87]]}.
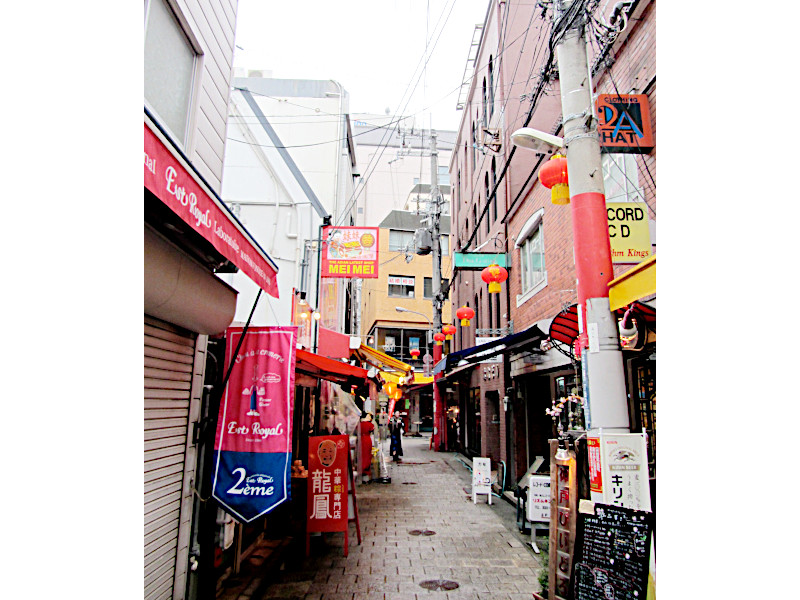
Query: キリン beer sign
{"points": [[624, 123]]}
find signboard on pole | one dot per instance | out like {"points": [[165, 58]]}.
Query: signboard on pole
{"points": [[327, 483], [350, 252], [625, 478], [253, 445], [628, 231], [624, 123]]}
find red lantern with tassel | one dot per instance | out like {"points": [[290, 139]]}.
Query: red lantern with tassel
{"points": [[494, 275], [554, 177], [439, 337], [414, 352], [465, 313], [449, 331]]}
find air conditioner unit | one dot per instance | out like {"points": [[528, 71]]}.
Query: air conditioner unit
{"points": [[423, 241]]}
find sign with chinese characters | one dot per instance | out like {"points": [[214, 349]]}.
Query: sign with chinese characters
{"points": [[327, 483], [612, 554], [625, 478], [628, 231], [624, 123], [595, 470], [253, 445], [539, 498], [400, 280], [350, 252]]}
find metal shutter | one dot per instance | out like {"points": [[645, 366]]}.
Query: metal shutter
{"points": [[169, 355]]}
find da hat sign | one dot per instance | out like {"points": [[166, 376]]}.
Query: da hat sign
{"points": [[624, 123], [253, 446], [628, 231]]}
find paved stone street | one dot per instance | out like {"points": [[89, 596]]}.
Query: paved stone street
{"points": [[476, 546]]}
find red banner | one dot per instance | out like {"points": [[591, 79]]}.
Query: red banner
{"points": [[350, 252], [253, 445], [175, 186], [595, 470], [327, 483]]}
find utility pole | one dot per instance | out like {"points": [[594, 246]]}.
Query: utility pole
{"points": [[436, 289], [602, 358]]}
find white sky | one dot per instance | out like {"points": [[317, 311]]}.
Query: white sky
{"points": [[373, 48]]}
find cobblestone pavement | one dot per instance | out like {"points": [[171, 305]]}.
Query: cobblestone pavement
{"points": [[475, 545]]}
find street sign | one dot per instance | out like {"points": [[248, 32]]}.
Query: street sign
{"points": [[478, 260]]}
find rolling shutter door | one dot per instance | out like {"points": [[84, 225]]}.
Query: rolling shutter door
{"points": [[169, 356]]}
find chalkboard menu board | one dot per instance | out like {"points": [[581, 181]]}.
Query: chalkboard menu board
{"points": [[612, 554]]}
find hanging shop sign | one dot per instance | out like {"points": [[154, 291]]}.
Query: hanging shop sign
{"points": [[624, 123], [168, 177], [327, 483], [628, 231], [253, 445], [497, 358], [350, 252], [477, 261]]}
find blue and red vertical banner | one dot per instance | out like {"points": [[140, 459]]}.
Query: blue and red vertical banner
{"points": [[253, 445]]}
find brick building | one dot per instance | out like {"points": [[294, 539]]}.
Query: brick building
{"points": [[515, 84]]}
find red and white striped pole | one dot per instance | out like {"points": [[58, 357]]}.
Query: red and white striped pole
{"points": [[606, 395]]}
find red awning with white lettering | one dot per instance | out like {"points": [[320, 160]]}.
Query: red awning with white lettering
{"points": [[174, 182]]}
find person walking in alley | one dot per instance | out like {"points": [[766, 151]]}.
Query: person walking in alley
{"points": [[395, 433]]}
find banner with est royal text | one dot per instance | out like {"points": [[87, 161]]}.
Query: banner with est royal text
{"points": [[253, 446]]}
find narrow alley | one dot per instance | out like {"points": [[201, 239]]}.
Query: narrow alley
{"points": [[421, 535]]}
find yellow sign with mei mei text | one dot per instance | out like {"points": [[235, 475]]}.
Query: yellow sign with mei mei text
{"points": [[629, 231]]}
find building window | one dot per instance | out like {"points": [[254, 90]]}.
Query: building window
{"points": [[491, 86], [497, 310], [485, 99], [401, 286], [170, 61], [400, 240], [621, 178], [444, 175], [530, 242], [494, 185], [427, 287], [486, 185]]}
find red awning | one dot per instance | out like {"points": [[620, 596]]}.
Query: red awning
{"points": [[175, 183], [564, 327], [321, 367]]}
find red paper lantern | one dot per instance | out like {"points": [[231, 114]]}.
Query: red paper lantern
{"points": [[465, 313], [390, 389], [494, 275], [449, 331], [439, 337], [414, 352], [554, 177]]}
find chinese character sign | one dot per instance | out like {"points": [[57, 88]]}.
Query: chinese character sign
{"points": [[327, 483], [253, 445], [350, 252]]}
